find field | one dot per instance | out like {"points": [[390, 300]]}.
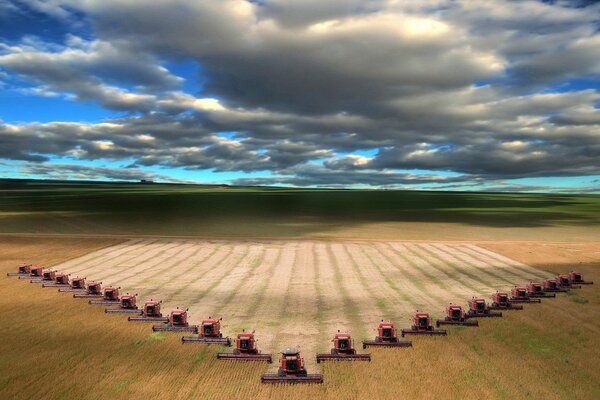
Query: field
{"points": [[296, 268]]}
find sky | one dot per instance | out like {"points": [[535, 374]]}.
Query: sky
{"points": [[395, 94]]}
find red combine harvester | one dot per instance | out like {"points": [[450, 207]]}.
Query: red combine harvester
{"points": [[387, 336], [422, 326], [291, 370], [127, 305], [77, 286], [109, 298], [520, 295], [501, 301], [245, 350], [35, 273], [177, 322], [210, 333], [94, 290], [535, 289], [455, 316], [564, 281], [577, 278], [150, 313], [24, 271], [60, 281], [343, 350], [48, 276], [478, 308], [551, 285]]}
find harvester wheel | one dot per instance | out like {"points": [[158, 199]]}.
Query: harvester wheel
{"points": [[236, 351], [280, 372], [333, 352]]}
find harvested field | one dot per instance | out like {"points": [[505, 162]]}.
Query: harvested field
{"points": [[299, 292]]}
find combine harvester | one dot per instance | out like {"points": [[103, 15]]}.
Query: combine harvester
{"points": [[94, 290], [127, 305], [24, 270], [343, 350], [387, 336], [177, 322], [536, 289], [77, 286], [245, 350], [210, 333], [577, 278], [422, 326], [551, 285], [564, 281], [478, 308], [455, 316], [48, 276], [291, 370], [150, 313], [109, 298], [35, 273], [60, 281], [520, 295], [501, 301]]}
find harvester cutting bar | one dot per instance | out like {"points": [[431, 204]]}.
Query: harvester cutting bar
{"points": [[86, 296], [71, 290], [470, 314], [343, 357], [582, 282], [104, 302], [571, 286], [40, 281], [526, 300], [308, 378], [543, 295], [123, 311], [556, 290], [175, 328], [245, 357], [381, 343], [464, 322], [510, 307], [55, 285], [208, 340], [19, 275], [414, 331], [148, 319]]}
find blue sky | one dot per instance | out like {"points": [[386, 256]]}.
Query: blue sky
{"points": [[461, 95]]}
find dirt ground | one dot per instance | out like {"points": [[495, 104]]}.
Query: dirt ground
{"points": [[298, 293]]}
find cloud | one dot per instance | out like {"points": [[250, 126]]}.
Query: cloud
{"points": [[82, 172]]}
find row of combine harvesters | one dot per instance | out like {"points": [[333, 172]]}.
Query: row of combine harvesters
{"points": [[291, 368]]}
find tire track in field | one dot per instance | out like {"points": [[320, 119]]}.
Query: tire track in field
{"points": [[477, 261], [406, 279], [516, 264], [388, 296], [433, 276]]}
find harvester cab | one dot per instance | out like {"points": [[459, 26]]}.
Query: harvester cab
{"points": [[422, 326], [501, 301], [386, 337], [127, 305], [479, 308], [343, 349], [535, 289], [291, 370], [24, 270], [577, 278], [94, 290], [150, 313], [245, 350], [177, 322], [110, 297], [520, 295], [60, 281], [455, 316], [210, 333], [36, 272]]}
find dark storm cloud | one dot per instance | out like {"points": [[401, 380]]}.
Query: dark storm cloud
{"points": [[82, 172]]}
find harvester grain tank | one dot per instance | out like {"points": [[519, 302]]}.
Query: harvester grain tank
{"points": [[422, 326], [520, 295], [577, 279], [24, 270], [178, 322], [150, 313], [478, 308], [291, 370], [60, 281], [387, 336], [501, 301], [109, 298], [245, 350], [94, 290], [455, 316], [210, 333], [343, 350], [127, 305], [536, 289]]}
